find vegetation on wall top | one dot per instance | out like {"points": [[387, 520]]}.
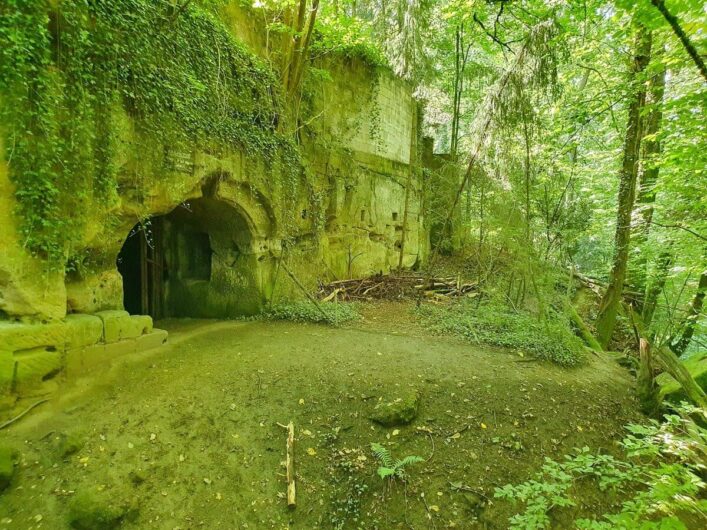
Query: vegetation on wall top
{"points": [[66, 68]]}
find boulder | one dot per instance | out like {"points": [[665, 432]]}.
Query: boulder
{"points": [[401, 410], [93, 510], [69, 444]]}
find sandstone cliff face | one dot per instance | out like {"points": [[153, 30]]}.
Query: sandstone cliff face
{"points": [[342, 215], [201, 230]]}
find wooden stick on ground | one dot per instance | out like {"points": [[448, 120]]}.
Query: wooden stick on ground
{"points": [[19, 416], [290, 464]]}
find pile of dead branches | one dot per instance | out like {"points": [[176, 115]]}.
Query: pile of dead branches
{"points": [[395, 286]]}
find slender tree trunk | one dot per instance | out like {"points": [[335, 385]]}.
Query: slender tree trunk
{"points": [[643, 213], [526, 173], [456, 96], [412, 171], [665, 261], [688, 328], [606, 320]]}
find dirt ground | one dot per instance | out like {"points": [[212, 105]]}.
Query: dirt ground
{"points": [[187, 436]]}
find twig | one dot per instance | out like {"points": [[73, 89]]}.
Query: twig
{"points": [[464, 487], [290, 464], [427, 507], [16, 418], [681, 227]]}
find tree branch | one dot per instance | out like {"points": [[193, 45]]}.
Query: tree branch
{"points": [[684, 39], [681, 227]]}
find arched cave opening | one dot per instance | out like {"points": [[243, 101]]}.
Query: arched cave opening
{"points": [[196, 261]]}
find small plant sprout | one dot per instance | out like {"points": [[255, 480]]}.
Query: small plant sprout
{"points": [[391, 468]]}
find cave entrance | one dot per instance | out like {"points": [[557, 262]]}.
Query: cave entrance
{"points": [[142, 266], [196, 261]]}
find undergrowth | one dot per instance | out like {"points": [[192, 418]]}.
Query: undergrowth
{"points": [[660, 480], [495, 324], [304, 311]]}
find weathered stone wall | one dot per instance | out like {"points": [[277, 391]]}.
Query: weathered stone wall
{"points": [[342, 218]]}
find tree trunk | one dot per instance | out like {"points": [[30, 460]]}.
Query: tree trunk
{"points": [[688, 328], [665, 261], [671, 363], [645, 382], [606, 320], [412, 171], [643, 214]]}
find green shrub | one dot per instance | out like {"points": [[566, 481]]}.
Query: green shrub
{"points": [[659, 480], [498, 325], [305, 311]]}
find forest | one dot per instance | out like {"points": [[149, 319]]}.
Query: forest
{"points": [[410, 264]]}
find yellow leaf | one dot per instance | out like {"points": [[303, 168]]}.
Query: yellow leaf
{"points": [[301, 401], [396, 432], [483, 425], [311, 451], [434, 508]]}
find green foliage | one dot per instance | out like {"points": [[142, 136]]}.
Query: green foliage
{"points": [[305, 311], [65, 72], [498, 325], [346, 37], [659, 479], [391, 468]]}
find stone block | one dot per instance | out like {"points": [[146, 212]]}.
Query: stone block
{"points": [[83, 330], [97, 292], [139, 325], [36, 366], [115, 323], [15, 336], [151, 340], [83, 360]]}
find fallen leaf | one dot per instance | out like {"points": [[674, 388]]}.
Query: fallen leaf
{"points": [[301, 401], [483, 425], [311, 451], [434, 508]]}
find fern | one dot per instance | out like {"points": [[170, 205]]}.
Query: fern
{"points": [[382, 454], [390, 467]]}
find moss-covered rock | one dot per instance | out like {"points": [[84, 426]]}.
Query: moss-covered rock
{"points": [[399, 411], [96, 510], [670, 390], [69, 444], [7, 467]]}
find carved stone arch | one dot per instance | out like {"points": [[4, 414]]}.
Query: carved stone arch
{"points": [[252, 204]]}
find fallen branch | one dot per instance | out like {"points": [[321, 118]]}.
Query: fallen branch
{"points": [[19, 416], [305, 291], [399, 285], [672, 364], [290, 464]]}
